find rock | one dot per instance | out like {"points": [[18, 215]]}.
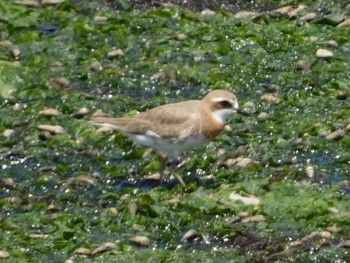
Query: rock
{"points": [[140, 240], [263, 116], [341, 95], [55, 129], [334, 229], [6, 43], [310, 171], [301, 64], [324, 53], [99, 113], [308, 17], [8, 182], [294, 12], [15, 51], [50, 112], [113, 211], [108, 246], [59, 82], [345, 23], [100, 18], [29, 3], [208, 12], [270, 97], [331, 43], [132, 208], [246, 15], [347, 127], [82, 112], [336, 135], [51, 2], [39, 236], [345, 243], [250, 200], [283, 10], [4, 254], [249, 104], [115, 53], [88, 180], [154, 176], [256, 218], [83, 251], [181, 37], [8, 133], [190, 235], [96, 66]]}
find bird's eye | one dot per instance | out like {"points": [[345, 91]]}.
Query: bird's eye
{"points": [[225, 104]]}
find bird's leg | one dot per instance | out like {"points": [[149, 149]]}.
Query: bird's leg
{"points": [[177, 176]]}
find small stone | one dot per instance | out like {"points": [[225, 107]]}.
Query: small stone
{"points": [[4, 254], [140, 240], [51, 2], [283, 10], [334, 229], [301, 64], [82, 112], [190, 235], [208, 12], [50, 112], [270, 97], [113, 210], [294, 12], [250, 200], [100, 18], [96, 66], [15, 51], [29, 3], [55, 129], [347, 127], [154, 176], [341, 95], [256, 218], [8, 133], [57, 64], [345, 23], [69, 261], [158, 76], [132, 208], [83, 251], [39, 236], [336, 135], [104, 248], [6, 43], [8, 182], [88, 180], [324, 53], [249, 104], [115, 53], [308, 17], [246, 15], [331, 43], [99, 113], [345, 244], [181, 37], [60, 82], [310, 171], [263, 116], [228, 128]]}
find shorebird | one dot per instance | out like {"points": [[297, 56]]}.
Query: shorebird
{"points": [[177, 127]]}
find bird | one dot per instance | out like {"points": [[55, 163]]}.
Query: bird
{"points": [[177, 127]]}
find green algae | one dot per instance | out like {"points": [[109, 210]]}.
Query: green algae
{"points": [[65, 184]]}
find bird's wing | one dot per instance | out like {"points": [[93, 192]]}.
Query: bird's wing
{"points": [[128, 124]]}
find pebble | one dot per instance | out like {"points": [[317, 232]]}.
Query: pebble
{"points": [[263, 116], [310, 171], [15, 51], [4, 254], [82, 112], [115, 53], [190, 235], [69, 261], [208, 12], [345, 23], [154, 176], [51, 2], [140, 240], [249, 104], [39, 236], [29, 3], [301, 64], [308, 17], [132, 208], [345, 243], [240, 162], [100, 18], [83, 251], [256, 218], [269, 97], [336, 135], [96, 66], [108, 246], [50, 112], [56, 129], [347, 127], [8, 133], [246, 15], [331, 43], [334, 229], [79, 179], [8, 182], [341, 95], [283, 10], [294, 12], [250, 200], [60, 82], [324, 53], [99, 113], [181, 37]]}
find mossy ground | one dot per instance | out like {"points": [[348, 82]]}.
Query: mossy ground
{"points": [[69, 190]]}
